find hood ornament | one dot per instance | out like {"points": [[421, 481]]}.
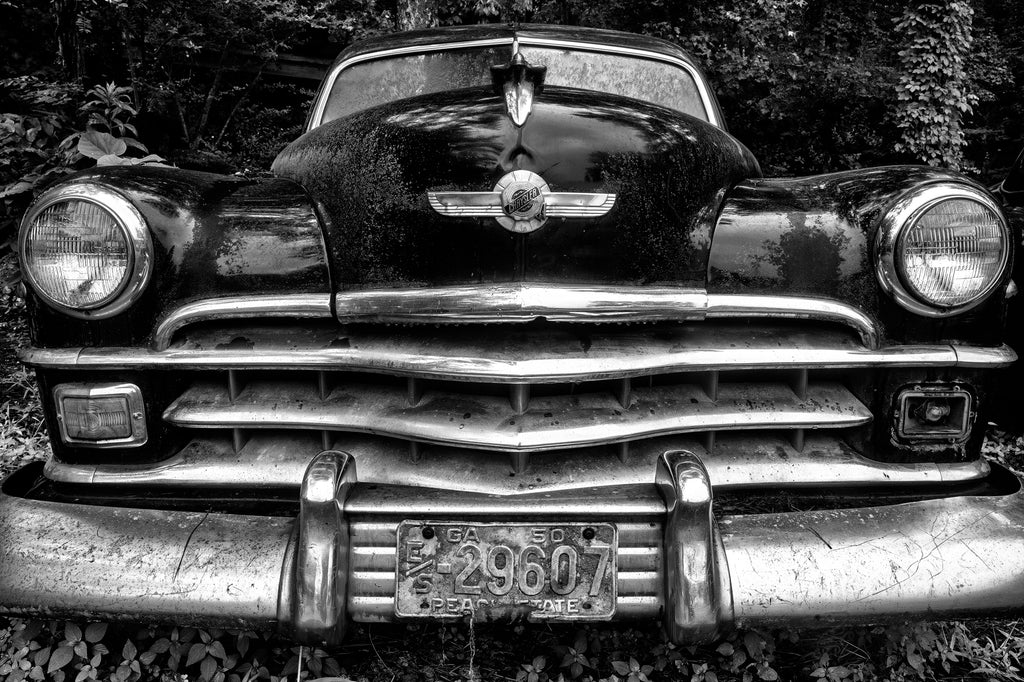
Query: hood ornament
{"points": [[521, 202], [518, 82]]}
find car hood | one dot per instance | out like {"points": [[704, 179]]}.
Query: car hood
{"points": [[370, 173]]}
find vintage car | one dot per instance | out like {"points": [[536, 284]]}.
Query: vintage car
{"points": [[516, 330]]}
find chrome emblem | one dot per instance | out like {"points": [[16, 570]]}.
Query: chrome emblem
{"points": [[521, 202]]}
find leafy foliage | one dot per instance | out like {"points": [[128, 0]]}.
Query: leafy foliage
{"points": [[933, 91]]}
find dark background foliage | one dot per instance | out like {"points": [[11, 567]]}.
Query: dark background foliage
{"points": [[809, 85]]}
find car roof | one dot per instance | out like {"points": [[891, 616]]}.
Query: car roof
{"points": [[475, 32]]}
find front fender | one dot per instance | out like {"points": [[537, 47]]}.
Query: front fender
{"points": [[815, 236], [213, 235]]}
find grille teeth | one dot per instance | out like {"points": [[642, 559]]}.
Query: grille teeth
{"points": [[521, 418]]}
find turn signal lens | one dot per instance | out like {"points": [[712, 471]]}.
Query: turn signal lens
{"points": [[100, 415], [77, 254], [953, 253]]}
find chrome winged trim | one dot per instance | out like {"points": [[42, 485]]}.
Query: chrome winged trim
{"points": [[466, 204], [488, 204], [241, 307], [578, 204]]}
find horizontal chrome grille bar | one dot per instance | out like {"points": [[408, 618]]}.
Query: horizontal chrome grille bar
{"points": [[516, 355], [490, 422], [524, 302], [746, 460]]}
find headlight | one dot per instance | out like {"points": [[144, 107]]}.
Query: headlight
{"points": [[942, 249], [86, 251]]}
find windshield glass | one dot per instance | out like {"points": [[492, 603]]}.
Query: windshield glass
{"points": [[367, 84]]}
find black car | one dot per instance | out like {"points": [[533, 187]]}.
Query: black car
{"points": [[517, 330]]}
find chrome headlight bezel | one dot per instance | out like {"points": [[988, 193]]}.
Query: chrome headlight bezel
{"points": [[898, 221], [137, 238]]}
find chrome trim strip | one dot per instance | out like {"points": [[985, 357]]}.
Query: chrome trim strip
{"points": [[901, 217], [490, 422], [240, 307], [740, 461], [512, 303], [499, 303], [135, 230], [543, 370], [980, 356], [702, 87], [793, 307]]}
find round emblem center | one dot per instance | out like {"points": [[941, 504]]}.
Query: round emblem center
{"points": [[522, 201]]}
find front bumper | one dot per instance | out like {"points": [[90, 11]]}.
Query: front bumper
{"points": [[311, 573]]}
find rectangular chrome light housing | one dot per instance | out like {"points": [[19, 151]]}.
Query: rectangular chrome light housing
{"points": [[101, 415], [934, 413]]}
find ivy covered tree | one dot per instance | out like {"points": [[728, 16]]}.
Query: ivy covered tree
{"points": [[934, 91]]}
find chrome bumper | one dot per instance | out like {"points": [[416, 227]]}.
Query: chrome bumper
{"points": [[334, 562]]}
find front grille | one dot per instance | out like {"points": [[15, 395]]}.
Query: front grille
{"points": [[523, 418], [562, 389]]}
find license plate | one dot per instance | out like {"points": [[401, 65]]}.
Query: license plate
{"points": [[496, 571]]}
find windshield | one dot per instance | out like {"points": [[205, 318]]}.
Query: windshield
{"points": [[370, 83]]}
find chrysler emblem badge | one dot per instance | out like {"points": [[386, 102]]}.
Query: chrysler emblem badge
{"points": [[521, 202]]}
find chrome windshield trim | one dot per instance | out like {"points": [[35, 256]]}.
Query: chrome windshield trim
{"points": [[240, 307], [324, 94], [500, 303], [794, 307]]}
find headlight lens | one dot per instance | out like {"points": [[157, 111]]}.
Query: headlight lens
{"points": [[953, 252], [77, 254], [942, 249], [86, 251]]}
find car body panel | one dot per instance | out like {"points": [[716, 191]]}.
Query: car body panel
{"points": [[371, 172]]}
